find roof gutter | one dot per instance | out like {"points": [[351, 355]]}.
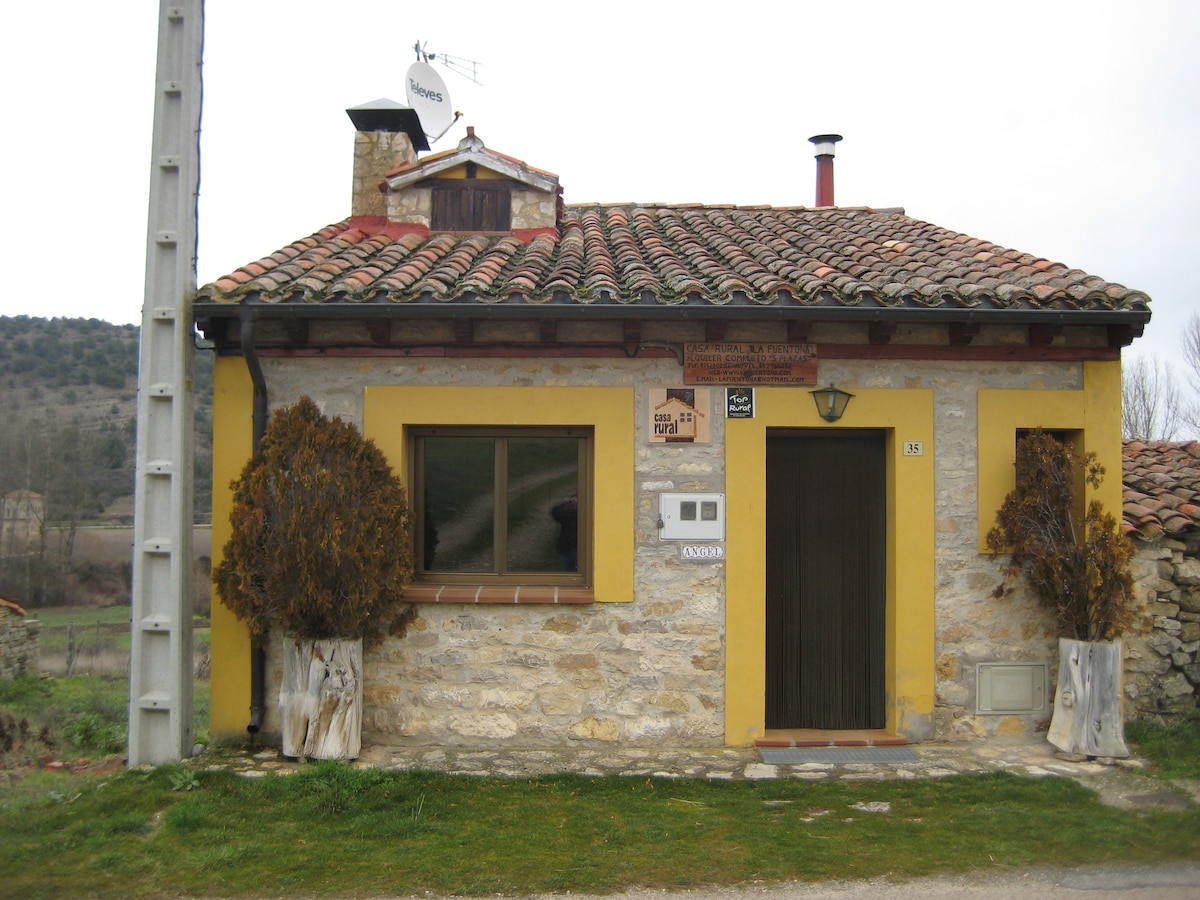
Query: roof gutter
{"points": [[208, 311]]}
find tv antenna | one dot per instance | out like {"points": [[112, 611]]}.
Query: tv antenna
{"points": [[427, 93], [467, 68]]}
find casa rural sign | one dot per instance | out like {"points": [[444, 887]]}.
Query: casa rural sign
{"points": [[749, 364]]}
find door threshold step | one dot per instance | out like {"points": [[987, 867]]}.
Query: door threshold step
{"points": [[828, 737]]}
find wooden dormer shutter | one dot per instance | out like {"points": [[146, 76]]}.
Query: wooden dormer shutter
{"points": [[472, 205]]}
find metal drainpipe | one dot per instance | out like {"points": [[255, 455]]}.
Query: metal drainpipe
{"points": [[258, 655]]}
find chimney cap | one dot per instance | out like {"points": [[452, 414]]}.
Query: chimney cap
{"points": [[389, 116], [823, 143]]}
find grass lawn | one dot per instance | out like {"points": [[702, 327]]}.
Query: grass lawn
{"points": [[47, 719], [333, 830], [1175, 750]]}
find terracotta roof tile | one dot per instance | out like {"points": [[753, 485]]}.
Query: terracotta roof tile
{"points": [[11, 603], [713, 255], [1161, 488]]}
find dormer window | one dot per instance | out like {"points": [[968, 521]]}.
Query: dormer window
{"points": [[471, 204], [473, 190]]}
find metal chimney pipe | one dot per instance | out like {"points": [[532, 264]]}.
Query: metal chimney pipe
{"points": [[824, 146]]}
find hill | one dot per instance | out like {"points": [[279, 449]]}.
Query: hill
{"points": [[68, 388]]}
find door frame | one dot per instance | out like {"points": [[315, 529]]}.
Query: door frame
{"points": [[904, 416]]}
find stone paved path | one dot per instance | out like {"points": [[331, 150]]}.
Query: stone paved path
{"points": [[1118, 782]]}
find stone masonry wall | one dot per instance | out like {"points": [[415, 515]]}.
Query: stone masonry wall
{"points": [[972, 626], [18, 643], [1162, 664], [650, 672]]}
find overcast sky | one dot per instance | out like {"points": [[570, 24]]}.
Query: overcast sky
{"points": [[1070, 130]]}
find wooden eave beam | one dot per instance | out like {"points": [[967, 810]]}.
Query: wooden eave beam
{"points": [[296, 330], [1043, 335], [962, 333], [380, 331], [798, 331], [1123, 335], [881, 332]]}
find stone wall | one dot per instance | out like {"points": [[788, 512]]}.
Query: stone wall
{"points": [[530, 208], [651, 672], [1162, 664], [18, 642]]}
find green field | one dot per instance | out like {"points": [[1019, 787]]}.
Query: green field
{"points": [[101, 638]]}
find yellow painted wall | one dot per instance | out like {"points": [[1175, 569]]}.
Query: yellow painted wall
{"points": [[233, 438], [1095, 411], [482, 173], [389, 409], [905, 415], [386, 412]]}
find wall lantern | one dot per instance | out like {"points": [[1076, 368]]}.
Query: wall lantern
{"points": [[831, 402]]}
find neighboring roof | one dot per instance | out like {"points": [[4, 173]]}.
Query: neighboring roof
{"points": [[641, 258], [11, 604], [22, 494], [1162, 489]]}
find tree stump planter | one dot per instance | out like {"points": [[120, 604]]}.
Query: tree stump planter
{"points": [[1087, 705], [321, 698]]}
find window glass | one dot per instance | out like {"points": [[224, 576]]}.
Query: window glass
{"points": [[543, 504], [458, 504], [505, 505]]}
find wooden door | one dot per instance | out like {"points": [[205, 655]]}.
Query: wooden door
{"points": [[826, 598]]}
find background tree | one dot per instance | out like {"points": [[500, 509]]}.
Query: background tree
{"points": [[1191, 357], [1152, 406]]}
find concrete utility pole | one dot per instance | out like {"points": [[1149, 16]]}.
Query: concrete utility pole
{"points": [[160, 676]]}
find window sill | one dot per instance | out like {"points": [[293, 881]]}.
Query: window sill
{"points": [[498, 593]]}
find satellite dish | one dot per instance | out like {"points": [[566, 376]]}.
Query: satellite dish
{"points": [[427, 94]]}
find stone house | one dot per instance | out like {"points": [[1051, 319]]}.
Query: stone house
{"points": [[815, 562], [18, 640], [21, 518], [1162, 517]]}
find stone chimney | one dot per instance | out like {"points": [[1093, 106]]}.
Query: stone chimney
{"points": [[389, 135], [824, 146]]}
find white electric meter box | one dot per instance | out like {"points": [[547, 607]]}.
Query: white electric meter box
{"points": [[1011, 689], [691, 517]]}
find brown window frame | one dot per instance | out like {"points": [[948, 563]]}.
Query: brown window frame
{"points": [[581, 577]]}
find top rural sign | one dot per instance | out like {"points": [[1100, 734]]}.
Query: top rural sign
{"points": [[749, 364]]}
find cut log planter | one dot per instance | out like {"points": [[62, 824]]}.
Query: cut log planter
{"points": [[320, 698], [1087, 705]]}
